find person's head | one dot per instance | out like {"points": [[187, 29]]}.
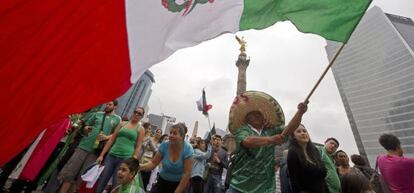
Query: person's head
{"points": [[255, 119], [158, 133], [200, 144], [125, 118], [147, 127], [217, 141], [300, 142], [111, 106], [301, 135], [354, 182], [331, 145], [163, 138], [127, 171], [137, 115], [177, 133], [341, 158], [391, 143], [358, 160]]}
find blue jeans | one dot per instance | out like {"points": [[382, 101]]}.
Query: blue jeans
{"points": [[213, 184], [111, 164], [232, 190]]}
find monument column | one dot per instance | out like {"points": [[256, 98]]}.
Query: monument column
{"points": [[242, 63]]}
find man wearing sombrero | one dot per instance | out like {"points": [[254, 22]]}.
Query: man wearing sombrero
{"points": [[257, 123]]}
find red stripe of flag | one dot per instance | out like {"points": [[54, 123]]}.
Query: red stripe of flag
{"points": [[57, 57]]}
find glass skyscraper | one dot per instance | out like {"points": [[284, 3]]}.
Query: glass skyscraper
{"points": [[137, 96], [375, 77]]}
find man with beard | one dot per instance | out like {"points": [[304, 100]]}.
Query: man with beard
{"points": [[99, 127]]}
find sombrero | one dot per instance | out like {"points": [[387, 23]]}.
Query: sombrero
{"points": [[255, 101]]}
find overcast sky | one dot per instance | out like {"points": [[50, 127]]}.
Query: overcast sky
{"points": [[284, 63]]}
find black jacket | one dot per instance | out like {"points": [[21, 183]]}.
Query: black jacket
{"points": [[306, 177]]}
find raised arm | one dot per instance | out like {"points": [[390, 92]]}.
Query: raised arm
{"points": [[202, 155], [296, 120], [255, 141]]}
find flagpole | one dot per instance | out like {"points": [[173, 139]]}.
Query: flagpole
{"points": [[209, 124], [286, 132], [324, 73]]}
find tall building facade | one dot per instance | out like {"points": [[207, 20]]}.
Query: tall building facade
{"points": [[162, 122], [137, 96], [375, 77]]}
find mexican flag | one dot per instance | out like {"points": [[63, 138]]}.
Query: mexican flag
{"points": [[202, 104], [59, 57]]}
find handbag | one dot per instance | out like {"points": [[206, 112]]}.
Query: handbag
{"points": [[377, 181], [101, 144]]}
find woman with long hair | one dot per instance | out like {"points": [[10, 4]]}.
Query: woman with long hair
{"points": [[125, 142], [176, 158], [306, 170], [200, 157]]}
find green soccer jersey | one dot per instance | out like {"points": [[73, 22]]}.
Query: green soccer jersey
{"points": [[332, 179], [95, 121], [255, 172]]}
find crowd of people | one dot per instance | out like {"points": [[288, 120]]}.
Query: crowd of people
{"points": [[139, 159]]}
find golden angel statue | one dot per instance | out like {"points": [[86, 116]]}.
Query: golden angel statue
{"points": [[242, 43]]}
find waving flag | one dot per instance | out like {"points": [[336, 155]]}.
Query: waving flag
{"points": [[59, 57], [202, 104]]}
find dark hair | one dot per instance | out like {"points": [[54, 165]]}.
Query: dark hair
{"points": [[311, 150], [218, 136], [333, 139], [163, 137], [358, 160], [146, 125], [115, 102], [389, 142], [354, 182], [125, 118], [182, 128], [133, 165], [339, 151], [142, 108], [198, 141]]}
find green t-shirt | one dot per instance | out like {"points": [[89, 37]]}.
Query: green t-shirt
{"points": [[332, 179], [125, 142], [136, 186], [87, 143], [254, 173]]}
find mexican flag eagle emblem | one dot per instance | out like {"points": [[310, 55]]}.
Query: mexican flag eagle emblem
{"points": [[186, 5]]}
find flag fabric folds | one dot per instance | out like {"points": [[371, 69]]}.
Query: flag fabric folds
{"points": [[202, 104], [61, 57]]}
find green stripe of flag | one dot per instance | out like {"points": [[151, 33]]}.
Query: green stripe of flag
{"points": [[331, 19]]}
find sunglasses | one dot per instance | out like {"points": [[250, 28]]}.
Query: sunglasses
{"points": [[138, 113]]}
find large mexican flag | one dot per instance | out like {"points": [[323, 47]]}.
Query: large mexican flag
{"points": [[59, 57]]}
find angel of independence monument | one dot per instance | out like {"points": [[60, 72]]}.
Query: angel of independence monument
{"points": [[242, 63]]}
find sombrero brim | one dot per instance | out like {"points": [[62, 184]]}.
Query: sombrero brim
{"points": [[255, 101]]}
